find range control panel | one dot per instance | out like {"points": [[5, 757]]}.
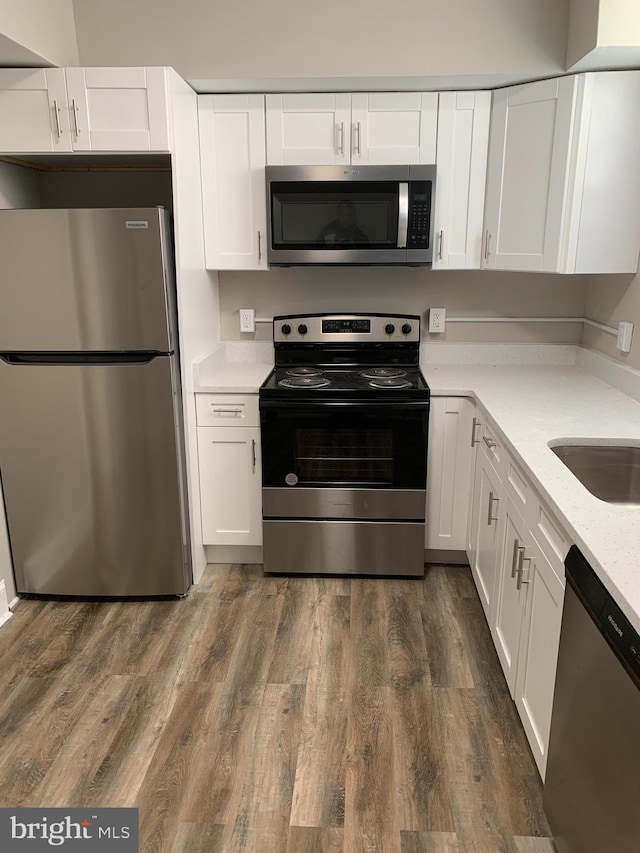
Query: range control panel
{"points": [[347, 328]]}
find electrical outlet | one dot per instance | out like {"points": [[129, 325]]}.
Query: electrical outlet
{"points": [[247, 320], [436, 320], [625, 333]]}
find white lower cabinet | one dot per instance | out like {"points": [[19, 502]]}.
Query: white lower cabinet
{"points": [[511, 592], [516, 552], [449, 471], [487, 525], [538, 653], [230, 472]]}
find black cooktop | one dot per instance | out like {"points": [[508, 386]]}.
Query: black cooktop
{"points": [[310, 383], [346, 358]]}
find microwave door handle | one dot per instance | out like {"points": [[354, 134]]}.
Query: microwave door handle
{"points": [[403, 214]]}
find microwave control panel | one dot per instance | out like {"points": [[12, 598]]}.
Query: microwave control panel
{"points": [[419, 215]]}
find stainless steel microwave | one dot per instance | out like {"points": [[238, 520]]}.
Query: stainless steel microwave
{"points": [[350, 215]]}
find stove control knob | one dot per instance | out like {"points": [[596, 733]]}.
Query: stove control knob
{"points": [[389, 328], [406, 329], [302, 329], [286, 329]]}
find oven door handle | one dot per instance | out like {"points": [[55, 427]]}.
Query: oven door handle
{"points": [[315, 406], [403, 214]]}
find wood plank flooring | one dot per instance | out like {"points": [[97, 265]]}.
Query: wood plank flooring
{"points": [[271, 714]]}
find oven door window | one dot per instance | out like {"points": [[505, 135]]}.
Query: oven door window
{"points": [[349, 448], [344, 456], [334, 215]]}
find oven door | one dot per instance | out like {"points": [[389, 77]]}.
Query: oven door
{"points": [[344, 460]]}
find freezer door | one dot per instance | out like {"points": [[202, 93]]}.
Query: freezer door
{"points": [[85, 280], [92, 478]]}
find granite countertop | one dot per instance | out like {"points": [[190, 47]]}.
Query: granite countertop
{"points": [[536, 405]]}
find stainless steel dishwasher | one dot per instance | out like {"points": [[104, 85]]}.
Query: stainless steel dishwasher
{"points": [[591, 793]]}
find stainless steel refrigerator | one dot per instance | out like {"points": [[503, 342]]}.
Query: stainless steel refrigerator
{"points": [[91, 432]]}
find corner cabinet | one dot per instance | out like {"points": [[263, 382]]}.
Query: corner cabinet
{"points": [[461, 159], [230, 469], [232, 154], [84, 109], [378, 128], [563, 183]]}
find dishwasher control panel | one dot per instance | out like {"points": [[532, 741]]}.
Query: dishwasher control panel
{"points": [[613, 624]]}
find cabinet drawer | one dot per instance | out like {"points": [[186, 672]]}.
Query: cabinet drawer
{"points": [[492, 445], [518, 487], [553, 541], [227, 410]]}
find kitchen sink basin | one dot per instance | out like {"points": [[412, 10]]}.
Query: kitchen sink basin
{"points": [[610, 472]]}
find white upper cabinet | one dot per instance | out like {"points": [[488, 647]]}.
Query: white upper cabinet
{"points": [[563, 183], [341, 129], [33, 110], [232, 152], [308, 130], [83, 109], [118, 109], [394, 128], [461, 159]]}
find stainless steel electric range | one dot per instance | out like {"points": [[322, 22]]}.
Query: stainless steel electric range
{"points": [[344, 424]]}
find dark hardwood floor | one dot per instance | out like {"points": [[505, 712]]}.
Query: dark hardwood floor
{"points": [[281, 715]]}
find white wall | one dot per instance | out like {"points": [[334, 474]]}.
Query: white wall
{"points": [[619, 23], [583, 29], [19, 187], [293, 38], [462, 293], [609, 299], [45, 27]]}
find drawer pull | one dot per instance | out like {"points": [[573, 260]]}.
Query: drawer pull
{"points": [[218, 411], [514, 559], [521, 561], [476, 424], [253, 454], [490, 516], [489, 442]]}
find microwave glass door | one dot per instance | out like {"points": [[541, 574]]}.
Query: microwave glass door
{"points": [[334, 215]]}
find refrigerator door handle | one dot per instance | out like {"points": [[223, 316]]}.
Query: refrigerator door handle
{"points": [[79, 358]]}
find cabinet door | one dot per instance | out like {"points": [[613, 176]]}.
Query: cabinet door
{"points": [[463, 141], [511, 592], [33, 111], [308, 129], [449, 473], [488, 505], [230, 485], [118, 109], [394, 127], [538, 654], [232, 152], [529, 149]]}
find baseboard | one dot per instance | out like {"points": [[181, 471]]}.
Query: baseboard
{"points": [[234, 553], [5, 613], [448, 558], [14, 603]]}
